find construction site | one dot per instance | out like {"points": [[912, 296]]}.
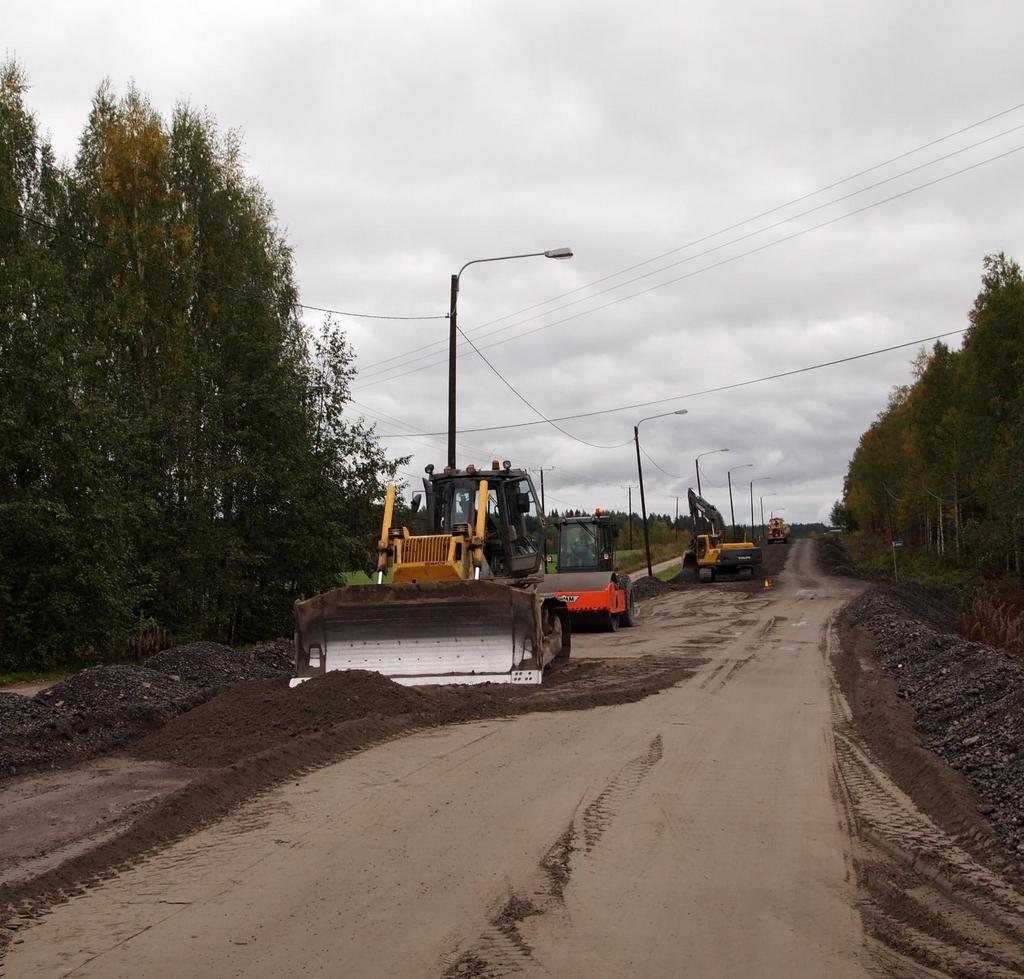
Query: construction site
{"points": [[767, 770], [495, 490]]}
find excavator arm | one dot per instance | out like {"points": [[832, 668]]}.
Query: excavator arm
{"points": [[705, 516]]}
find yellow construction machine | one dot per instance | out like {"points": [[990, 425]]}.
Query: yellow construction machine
{"points": [[709, 550], [778, 531], [466, 602]]}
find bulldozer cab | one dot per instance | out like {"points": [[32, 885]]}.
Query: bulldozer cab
{"points": [[585, 544], [512, 519]]}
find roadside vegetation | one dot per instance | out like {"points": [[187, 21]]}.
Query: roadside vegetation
{"points": [[176, 455], [939, 473]]}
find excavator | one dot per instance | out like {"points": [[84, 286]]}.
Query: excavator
{"points": [[708, 549], [466, 602], [586, 580]]}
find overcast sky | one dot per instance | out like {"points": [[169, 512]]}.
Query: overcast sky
{"points": [[401, 140]]}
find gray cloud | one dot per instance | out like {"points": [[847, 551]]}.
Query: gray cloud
{"points": [[400, 140]]}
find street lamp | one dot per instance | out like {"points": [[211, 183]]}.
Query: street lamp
{"points": [[756, 479], [453, 330], [640, 474], [732, 512], [696, 463], [763, 498]]}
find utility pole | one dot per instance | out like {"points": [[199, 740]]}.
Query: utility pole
{"points": [[630, 488], [677, 518]]}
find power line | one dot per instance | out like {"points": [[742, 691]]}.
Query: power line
{"points": [[532, 408], [714, 265], [369, 316], [650, 459], [714, 234], [715, 390]]}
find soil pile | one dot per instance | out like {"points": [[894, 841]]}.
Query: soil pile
{"points": [[250, 718], [833, 559], [968, 698], [251, 736]]}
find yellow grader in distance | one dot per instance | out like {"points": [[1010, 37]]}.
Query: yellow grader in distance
{"points": [[466, 603], [778, 531]]}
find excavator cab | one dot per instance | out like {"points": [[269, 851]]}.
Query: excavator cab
{"points": [[463, 604]]}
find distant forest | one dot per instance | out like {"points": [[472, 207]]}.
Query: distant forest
{"points": [[176, 458], [942, 467]]}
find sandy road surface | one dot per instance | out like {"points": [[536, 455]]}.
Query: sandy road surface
{"points": [[691, 833]]}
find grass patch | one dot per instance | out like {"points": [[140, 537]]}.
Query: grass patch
{"points": [[872, 556], [33, 676]]}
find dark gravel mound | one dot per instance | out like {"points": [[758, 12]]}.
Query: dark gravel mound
{"points": [[279, 655], [17, 712], [27, 729], [833, 559], [210, 665], [249, 718], [109, 706], [112, 689], [86, 714], [968, 698], [648, 587]]}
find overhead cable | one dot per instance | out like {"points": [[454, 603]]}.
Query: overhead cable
{"points": [[715, 390], [713, 265], [724, 230]]}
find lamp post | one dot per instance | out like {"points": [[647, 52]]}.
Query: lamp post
{"points": [[762, 511], [732, 512], [756, 479], [640, 475], [696, 463], [453, 330]]}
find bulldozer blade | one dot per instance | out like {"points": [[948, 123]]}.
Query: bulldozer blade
{"points": [[431, 632]]}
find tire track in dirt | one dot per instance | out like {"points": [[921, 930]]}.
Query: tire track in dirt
{"points": [[501, 950]]}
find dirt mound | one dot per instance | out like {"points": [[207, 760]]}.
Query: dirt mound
{"points": [[968, 699], [209, 664], [253, 735], [833, 559], [249, 718]]}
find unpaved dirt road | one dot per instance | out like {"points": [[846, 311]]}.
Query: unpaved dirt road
{"points": [[710, 830]]}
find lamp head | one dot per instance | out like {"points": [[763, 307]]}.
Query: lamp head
{"points": [[558, 253]]}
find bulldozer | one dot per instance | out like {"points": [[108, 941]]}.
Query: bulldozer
{"points": [[586, 580], [709, 550], [466, 602]]}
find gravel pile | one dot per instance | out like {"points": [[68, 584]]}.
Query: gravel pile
{"points": [[833, 559], [209, 664], [648, 587], [106, 707], [968, 698], [278, 654]]}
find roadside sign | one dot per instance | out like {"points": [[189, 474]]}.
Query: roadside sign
{"points": [[897, 543]]}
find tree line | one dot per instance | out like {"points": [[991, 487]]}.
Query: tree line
{"points": [[176, 455], [941, 467]]}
